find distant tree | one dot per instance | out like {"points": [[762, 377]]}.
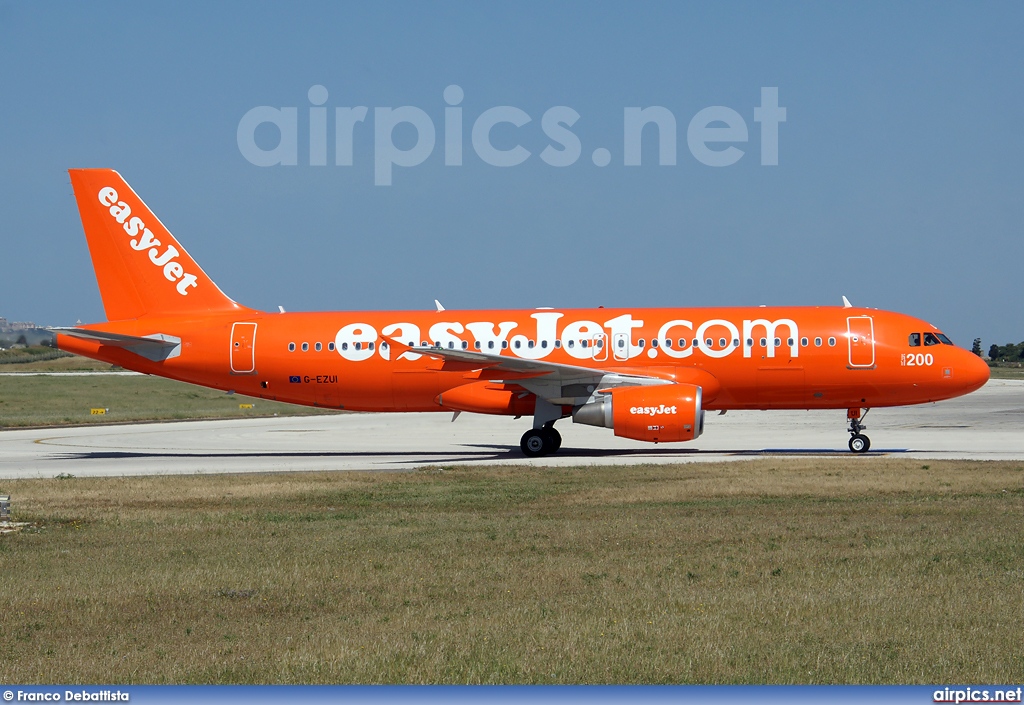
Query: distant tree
{"points": [[993, 352], [976, 348]]}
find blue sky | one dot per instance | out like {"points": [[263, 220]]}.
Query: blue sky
{"points": [[899, 182]]}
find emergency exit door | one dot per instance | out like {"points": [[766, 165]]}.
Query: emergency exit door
{"points": [[243, 348], [861, 336]]}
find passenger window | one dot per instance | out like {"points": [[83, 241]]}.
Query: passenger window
{"points": [[790, 342], [359, 346], [764, 342], [291, 347], [490, 345], [318, 347], [529, 344], [465, 345], [803, 342], [778, 342], [654, 342], [558, 343], [504, 344], [640, 343], [915, 340], [476, 344], [668, 342], [930, 339], [370, 346], [571, 343], [344, 346], [831, 342], [330, 346], [817, 342], [543, 343], [709, 342], [735, 343], [305, 347], [750, 342], [622, 343]]}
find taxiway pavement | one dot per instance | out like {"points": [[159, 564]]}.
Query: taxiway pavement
{"points": [[985, 425]]}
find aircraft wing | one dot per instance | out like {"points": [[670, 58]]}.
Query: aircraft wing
{"points": [[156, 347], [557, 383]]}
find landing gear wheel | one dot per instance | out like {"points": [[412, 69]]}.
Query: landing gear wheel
{"points": [[554, 439], [859, 443], [535, 443]]}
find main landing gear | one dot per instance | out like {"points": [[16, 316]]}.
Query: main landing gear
{"points": [[859, 443], [541, 441]]}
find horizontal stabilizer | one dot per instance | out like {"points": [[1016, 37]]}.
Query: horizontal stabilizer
{"points": [[157, 347]]}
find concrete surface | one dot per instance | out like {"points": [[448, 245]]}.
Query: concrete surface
{"points": [[986, 425]]}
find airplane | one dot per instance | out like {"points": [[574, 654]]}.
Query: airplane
{"points": [[647, 374]]}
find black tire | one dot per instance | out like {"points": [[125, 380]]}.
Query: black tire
{"points": [[859, 443], [535, 443], [554, 439]]}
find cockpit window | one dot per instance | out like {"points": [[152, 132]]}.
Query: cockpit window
{"points": [[944, 339], [930, 339], [915, 340]]}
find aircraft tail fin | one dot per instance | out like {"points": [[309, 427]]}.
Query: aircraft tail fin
{"points": [[140, 267]]}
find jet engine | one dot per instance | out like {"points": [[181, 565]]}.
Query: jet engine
{"points": [[662, 413]]}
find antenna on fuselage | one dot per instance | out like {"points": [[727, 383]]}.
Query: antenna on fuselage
{"points": [[439, 306], [846, 303]]}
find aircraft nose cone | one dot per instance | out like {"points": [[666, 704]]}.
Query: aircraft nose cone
{"points": [[973, 372]]}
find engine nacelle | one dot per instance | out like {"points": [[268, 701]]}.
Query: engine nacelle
{"points": [[663, 413]]}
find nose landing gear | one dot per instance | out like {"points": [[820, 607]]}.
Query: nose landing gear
{"points": [[859, 443]]}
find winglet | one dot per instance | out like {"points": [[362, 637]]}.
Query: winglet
{"points": [[846, 303], [400, 348]]}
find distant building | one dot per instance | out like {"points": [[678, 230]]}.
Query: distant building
{"points": [[8, 327]]}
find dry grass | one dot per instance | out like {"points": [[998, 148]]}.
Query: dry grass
{"points": [[838, 571]]}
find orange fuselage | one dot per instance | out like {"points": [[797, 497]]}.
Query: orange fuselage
{"points": [[744, 358]]}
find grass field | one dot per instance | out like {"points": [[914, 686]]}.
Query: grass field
{"points": [[72, 363], [1004, 372], [32, 400], [827, 571]]}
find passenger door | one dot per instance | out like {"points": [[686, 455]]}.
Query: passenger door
{"points": [[861, 337], [243, 349]]}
